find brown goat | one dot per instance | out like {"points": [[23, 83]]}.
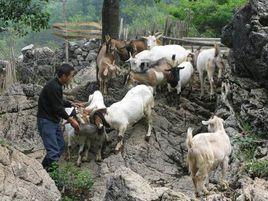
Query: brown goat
{"points": [[106, 68]]}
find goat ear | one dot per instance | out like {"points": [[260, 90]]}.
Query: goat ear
{"points": [[222, 120], [90, 97], [107, 38], [159, 36], [205, 123], [105, 72]]}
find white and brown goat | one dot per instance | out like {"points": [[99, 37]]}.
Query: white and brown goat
{"points": [[87, 135]]}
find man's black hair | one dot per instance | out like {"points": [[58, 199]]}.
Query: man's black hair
{"points": [[65, 69]]}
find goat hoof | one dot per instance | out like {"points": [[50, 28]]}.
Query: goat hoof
{"points": [[85, 160], [120, 137], [66, 158], [108, 139], [212, 97], [119, 148], [197, 194], [147, 138], [206, 192], [98, 159], [224, 186], [116, 151]]}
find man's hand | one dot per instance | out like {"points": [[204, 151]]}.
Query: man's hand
{"points": [[74, 124]]}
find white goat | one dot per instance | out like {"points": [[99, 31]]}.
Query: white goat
{"points": [[158, 52], [208, 60], [206, 151], [153, 41], [95, 102], [137, 103]]}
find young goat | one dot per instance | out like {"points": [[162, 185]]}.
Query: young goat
{"points": [[208, 60], [206, 151], [87, 135]]}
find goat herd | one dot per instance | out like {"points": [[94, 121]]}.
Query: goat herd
{"points": [[152, 65]]}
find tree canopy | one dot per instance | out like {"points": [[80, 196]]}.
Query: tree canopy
{"points": [[23, 14], [208, 17]]}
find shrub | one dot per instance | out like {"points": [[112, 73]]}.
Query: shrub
{"points": [[75, 183], [257, 168]]}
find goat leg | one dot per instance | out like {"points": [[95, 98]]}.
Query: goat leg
{"points": [[80, 152], [85, 158], [119, 146], [177, 101], [98, 154], [120, 138], [223, 182]]}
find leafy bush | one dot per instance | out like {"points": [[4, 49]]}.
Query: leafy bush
{"points": [[73, 181], [257, 168], [248, 143], [208, 16]]}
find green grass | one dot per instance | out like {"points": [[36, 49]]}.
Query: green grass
{"points": [[248, 143], [75, 181], [257, 168]]}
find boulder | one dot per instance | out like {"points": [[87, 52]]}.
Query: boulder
{"points": [[126, 185], [247, 35], [23, 178]]}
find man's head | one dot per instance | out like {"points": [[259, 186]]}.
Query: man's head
{"points": [[65, 73]]}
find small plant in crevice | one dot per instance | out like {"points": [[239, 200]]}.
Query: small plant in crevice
{"points": [[257, 168], [74, 183], [248, 142], [2, 141]]}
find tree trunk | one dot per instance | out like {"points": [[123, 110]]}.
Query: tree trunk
{"points": [[110, 18]]}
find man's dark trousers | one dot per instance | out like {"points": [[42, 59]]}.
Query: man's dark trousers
{"points": [[53, 140]]}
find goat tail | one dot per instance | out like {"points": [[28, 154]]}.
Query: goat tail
{"points": [[189, 140], [217, 50]]}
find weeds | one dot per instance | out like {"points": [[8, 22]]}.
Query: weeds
{"points": [[73, 182], [257, 168], [248, 143]]}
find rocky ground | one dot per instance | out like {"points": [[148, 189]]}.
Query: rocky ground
{"points": [[157, 166], [154, 170]]}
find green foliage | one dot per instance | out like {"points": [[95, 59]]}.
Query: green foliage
{"points": [[76, 181], [247, 145], [23, 15], [207, 16], [2, 141], [257, 168], [142, 15], [248, 142]]}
